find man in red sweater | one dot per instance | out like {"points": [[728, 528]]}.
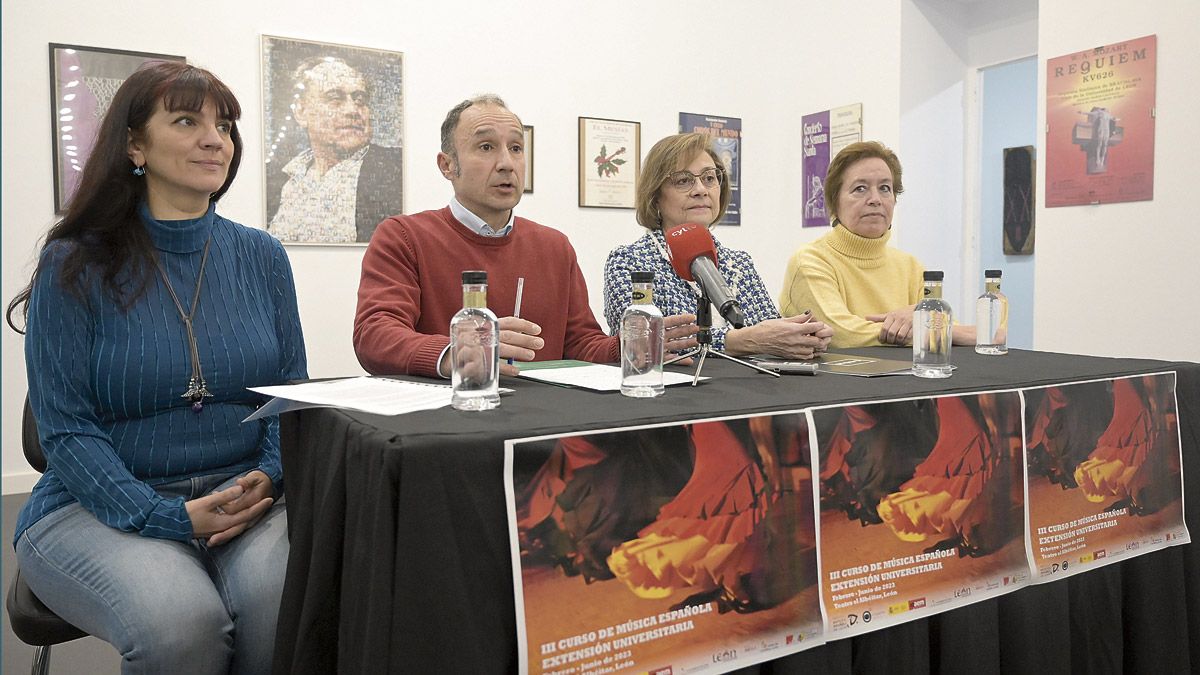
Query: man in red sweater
{"points": [[412, 270]]}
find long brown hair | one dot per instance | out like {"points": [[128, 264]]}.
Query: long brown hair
{"points": [[101, 224]]}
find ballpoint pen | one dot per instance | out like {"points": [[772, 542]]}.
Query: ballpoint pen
{"points": [[517, 304]]}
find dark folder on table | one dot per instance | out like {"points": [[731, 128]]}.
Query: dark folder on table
{"points": [[862, 366]]}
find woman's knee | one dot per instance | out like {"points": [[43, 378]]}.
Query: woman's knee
{"points": [[179, 637]]}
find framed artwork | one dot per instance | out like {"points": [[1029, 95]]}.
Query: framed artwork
{"points": [[609, 162], [1100, 116], [823, 135], [528, 158], [1020, 175], [333, 131], [726, 135], [83, 81]]}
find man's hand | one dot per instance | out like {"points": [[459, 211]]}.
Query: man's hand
{"points": [[519, 341], [679, 334]]}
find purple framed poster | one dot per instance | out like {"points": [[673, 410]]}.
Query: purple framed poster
{"points": [[727, 143], [815, 141], [824, 135]]}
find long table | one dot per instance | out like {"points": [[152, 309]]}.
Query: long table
{"points": [[400, 556]]}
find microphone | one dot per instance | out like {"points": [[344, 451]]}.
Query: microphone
{"points": [[694, 258]]}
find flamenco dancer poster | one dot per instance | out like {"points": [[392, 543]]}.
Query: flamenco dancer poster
{"points": [[1100, 124], [664, 549], [921, 507], [1105, 483]]}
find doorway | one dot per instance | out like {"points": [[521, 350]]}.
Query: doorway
{"points": [[1008, 119]]}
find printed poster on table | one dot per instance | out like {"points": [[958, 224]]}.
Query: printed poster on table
{"points": [[1100, 124], [727, 143], [824, 135], [1104, 474], [669, 548], [921, 507]]}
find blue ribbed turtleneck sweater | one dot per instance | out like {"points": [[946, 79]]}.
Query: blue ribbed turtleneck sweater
{"points": [[105, 384]]}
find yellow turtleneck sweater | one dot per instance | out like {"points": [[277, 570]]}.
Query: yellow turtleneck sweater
{"points": [[843, 277]]}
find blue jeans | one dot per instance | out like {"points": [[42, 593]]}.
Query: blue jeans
{"points": [[167, 606]]}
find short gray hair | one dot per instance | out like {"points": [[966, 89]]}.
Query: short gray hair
{"points": [[302, 74], [455, 114]]}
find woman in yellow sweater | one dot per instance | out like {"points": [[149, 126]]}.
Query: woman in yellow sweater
{"points": [[850, 278]]}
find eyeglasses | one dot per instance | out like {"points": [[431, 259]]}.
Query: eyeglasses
{"points": [[684, 180]]}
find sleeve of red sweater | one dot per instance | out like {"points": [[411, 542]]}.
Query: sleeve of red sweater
{"points": [[585, 340], [389, 302]]}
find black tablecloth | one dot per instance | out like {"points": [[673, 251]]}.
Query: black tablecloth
{"points": [[400, 555]]}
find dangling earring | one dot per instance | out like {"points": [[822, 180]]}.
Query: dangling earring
{"points": [[139, 170]]}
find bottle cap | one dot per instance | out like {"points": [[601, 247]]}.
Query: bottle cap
{"points": [[641, 277], [474, 277], [992, 274], [934, 275]]}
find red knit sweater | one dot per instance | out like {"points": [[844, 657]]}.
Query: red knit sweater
{"points": [[412, 285]]}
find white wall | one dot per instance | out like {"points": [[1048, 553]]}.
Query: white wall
{"points": [[1001, 31], [929, 215], [766, 62], [1120, 279]]}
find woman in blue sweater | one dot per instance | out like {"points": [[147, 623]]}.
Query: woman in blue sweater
{"points": [[157, 525]]}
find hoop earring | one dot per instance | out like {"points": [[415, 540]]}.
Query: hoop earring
{"points": [[139, 170]]}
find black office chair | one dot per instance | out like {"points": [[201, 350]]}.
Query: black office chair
{"points": [[32, 621]]}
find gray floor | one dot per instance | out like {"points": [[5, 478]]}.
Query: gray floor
{"points": [[87, 655]]}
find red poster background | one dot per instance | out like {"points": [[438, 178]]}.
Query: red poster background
{"points": [[1113, 87], [1104, 473]]}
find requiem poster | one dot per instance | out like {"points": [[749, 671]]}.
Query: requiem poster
{"points": [[1100, 124]]}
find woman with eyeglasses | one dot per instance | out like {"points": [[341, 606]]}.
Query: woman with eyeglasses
{"points": [[684, 181]]}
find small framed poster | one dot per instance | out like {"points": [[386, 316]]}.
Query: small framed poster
{"points": [[528, 158], [609, 162]]}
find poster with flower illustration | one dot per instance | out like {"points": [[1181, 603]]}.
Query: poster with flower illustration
{"points": [[609, 162]]}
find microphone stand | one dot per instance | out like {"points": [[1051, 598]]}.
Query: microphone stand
{"points": [[704, 338]]}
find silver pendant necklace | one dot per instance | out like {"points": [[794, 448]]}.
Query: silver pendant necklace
{"points": [[197, 389]]}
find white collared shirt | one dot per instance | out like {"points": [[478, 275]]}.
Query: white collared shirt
{"points": [[319, 209], [476, 224]]}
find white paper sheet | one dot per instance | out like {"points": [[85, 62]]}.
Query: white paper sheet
{"points": [[593, 376], [377, 395]]}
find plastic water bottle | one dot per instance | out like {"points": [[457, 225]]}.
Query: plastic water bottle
{"points": [[991, 317], [642, 341], [475, 348], [932, 330]]}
